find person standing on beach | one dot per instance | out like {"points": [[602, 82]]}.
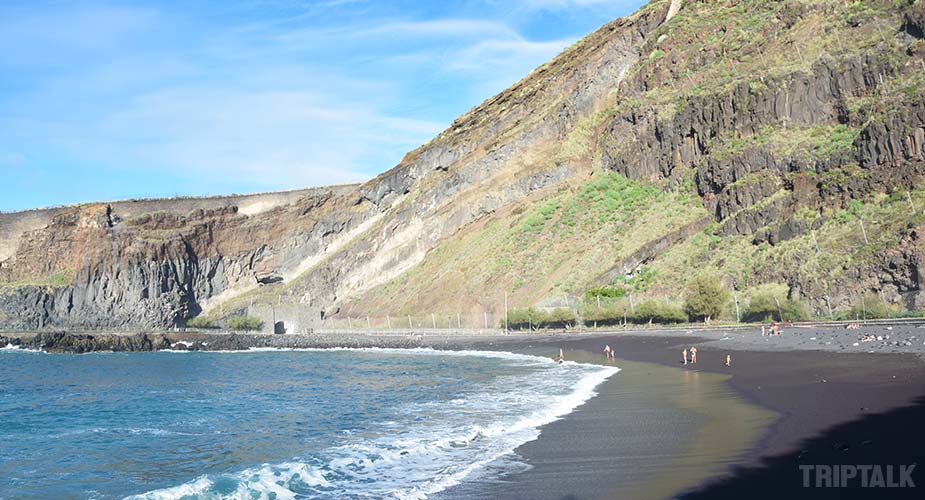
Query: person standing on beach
{"points": [[607, 352], [763, 332], [684, 355], [728, 360], [693, 355]]}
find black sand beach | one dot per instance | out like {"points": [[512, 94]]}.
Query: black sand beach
{"points": [[825, 408]]}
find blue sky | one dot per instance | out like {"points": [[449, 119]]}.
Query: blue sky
{"points": [[113, 100]]}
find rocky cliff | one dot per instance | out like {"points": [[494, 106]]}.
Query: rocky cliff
{"points": [[749, 137]]}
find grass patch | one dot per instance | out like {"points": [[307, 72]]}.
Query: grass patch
{"points": [[841, 246], [57, 279], [245, 323], [805, 143], [561, 244]]}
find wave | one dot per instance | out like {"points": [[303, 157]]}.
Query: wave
{"points": [[415, 458], [10, 347], [126, 430]]}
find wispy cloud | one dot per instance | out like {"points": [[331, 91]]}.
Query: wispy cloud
{"points": [[246, 95], [503, 53], [272, 137]]}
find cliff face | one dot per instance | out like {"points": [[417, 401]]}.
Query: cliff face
{"points": [[719, 135], [89, 267]]}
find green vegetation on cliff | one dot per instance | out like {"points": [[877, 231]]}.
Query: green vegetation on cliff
{"points": [[561, 244], [56, 279], [246, 323]]}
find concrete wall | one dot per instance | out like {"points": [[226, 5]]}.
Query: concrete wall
{"points": [[296, 318]]}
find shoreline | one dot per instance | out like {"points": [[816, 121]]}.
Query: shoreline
{"points": [[833, 406], [872, 336]]}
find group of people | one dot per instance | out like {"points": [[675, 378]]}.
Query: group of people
{"points": [[693, 351], [609, 355], [693, 356], [774, 330]]}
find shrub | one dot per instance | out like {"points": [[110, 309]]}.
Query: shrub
{"points": [[706, 297], [658, 312], [604, 316], [874, 308], [522, 319], [763, 308], [245, 323], [201, 322], [559, 318], [605, 292], [641, 280]]}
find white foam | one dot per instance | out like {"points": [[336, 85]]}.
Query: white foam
{"points": [[126, 430], [538, 360], [10, 347], [195, 487], [261, 483], [523, 430], [414, 459]]}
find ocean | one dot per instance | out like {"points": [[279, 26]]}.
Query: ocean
{"points": [[282, 424]]}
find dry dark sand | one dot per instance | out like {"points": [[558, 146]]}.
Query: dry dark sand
{"points": [[744, 434]]}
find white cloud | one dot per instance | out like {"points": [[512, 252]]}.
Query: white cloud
{"points": [[505, 53], [275, 103], [388, 32], [59, 36], [269, 138]]}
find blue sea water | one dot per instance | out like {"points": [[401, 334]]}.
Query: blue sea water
{"points": [[350, 423]]}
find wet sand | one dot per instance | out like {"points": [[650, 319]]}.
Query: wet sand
{"points": [[710, 431], [651, 431]]}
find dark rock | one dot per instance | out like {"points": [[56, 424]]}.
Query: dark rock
{"points": [[915, 20]]}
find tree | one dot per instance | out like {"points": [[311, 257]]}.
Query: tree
{"points": [[706, 297], [765, 306], [657, 312]]}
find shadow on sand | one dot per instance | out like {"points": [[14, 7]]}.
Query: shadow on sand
{"points": [[892, 438]]}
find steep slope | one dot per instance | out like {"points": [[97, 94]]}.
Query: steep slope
{"points": [[733, 136], [328, 247], [792, 122]]}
